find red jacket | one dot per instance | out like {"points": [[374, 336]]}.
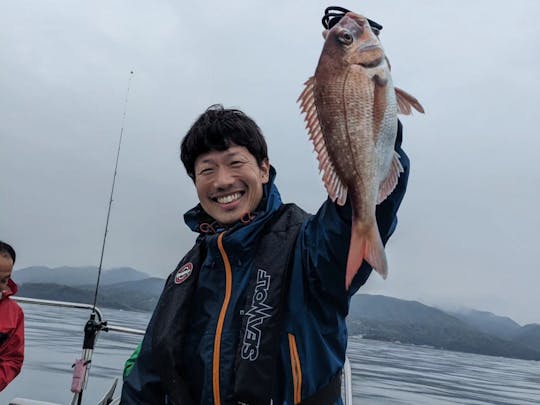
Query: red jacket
{"points": [[11, 336]]}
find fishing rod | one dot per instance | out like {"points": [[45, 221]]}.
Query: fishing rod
{"points": [[112, 190], [93, 327]]}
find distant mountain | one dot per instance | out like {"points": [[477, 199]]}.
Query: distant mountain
{"points": [[76, 276], [372, 316], [71, 294], [148, 286], [139, 295], [121, 287], [384, 318], [529, 335], [500, 326], [122, 274]]}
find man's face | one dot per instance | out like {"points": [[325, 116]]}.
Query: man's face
{"points": [[6, 266], [230, 183]]}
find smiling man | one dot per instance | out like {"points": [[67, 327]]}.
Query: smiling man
{"points": [[230, 183], [255, 312]]}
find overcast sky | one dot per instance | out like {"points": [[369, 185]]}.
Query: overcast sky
{"points": [[468, 231]]}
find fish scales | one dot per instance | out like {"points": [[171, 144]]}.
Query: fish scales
{"points": [[353, 130]]}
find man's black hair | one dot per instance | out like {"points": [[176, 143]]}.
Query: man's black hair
{"points": [[6, 248], [217, 129], [333, 14]]}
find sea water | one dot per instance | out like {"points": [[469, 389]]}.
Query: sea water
{"points": [[382, 372]]}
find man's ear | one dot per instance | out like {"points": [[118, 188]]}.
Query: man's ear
{"points": [[325, 34], [265, 170]]}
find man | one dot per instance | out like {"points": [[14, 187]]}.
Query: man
{"points": [[255, 312], [11, 320]]}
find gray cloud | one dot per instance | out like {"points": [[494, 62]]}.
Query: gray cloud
{"points": [[468, 226]]}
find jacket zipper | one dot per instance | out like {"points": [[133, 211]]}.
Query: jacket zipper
{"points": [[221, 320], [296, 369]]}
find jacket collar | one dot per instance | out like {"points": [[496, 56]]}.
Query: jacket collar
{"points": [[196, 218], [10, 290]]}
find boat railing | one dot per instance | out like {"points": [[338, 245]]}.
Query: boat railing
{"points": [[347, 383], [95, 324], [79, 305], [346, 373]]}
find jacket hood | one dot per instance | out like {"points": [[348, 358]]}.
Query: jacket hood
{"points": [[196, 217], [10, 290]]}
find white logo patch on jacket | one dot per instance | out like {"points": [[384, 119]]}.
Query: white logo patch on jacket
{"points": [[256, 314], [183, 273]]}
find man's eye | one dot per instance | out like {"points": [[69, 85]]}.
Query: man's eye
{"points": [[205, 171], [236, 163]]}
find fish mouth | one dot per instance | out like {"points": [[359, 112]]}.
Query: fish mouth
{"points": [[371, 55], [369, 47]]}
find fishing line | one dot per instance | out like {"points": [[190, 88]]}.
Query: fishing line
{"points": [[112, 190]]}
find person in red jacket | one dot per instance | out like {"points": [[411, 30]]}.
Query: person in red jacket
{"points": [[11, 320]]}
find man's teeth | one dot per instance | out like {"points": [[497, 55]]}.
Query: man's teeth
{"points": [[229, 198]]}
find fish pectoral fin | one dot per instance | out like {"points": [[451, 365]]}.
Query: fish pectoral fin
{"points": [[337, 191], [406, 102], [391, 180]]}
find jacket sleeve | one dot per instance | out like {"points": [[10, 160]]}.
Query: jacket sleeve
{"points": [[326, 236], [128, 365], [12, 351], [142, 384]]}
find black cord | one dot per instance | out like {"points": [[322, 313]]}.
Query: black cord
{"points": [[333, 14]]}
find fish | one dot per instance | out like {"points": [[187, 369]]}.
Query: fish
{"points": [[350, 107]]}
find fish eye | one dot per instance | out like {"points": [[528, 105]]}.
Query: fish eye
{"points": [[346, 38]]}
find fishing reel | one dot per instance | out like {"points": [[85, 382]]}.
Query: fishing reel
{"points": [[333, 14]]}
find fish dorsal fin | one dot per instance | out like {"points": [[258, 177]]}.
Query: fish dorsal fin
{"points": [[388, 185], [405, 101], [337, 191]]}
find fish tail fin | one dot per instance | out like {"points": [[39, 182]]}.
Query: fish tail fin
{"points": [[366, 244]]}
